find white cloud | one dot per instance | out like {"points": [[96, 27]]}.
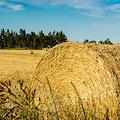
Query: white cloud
{"points": [[93, 8], [115, 7], [2, 3], [16, 7], [35, 2], [117, 10], [89, 5], [92, 15], [13, 6], [72, 3], [80, 4]]}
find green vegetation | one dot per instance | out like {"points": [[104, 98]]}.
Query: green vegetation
{"points": [[87, 41], [10, 39], [107, 41]]}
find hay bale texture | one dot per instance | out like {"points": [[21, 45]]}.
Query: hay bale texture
{"points": [[90, 72], [111, 56]]}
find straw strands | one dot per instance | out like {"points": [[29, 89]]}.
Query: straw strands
{"points": [[111, 56], [78, 72]]}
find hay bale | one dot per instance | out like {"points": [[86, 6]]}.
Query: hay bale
{"points": [[111, 56], [67, 40], [31, 52], [94, 80], [45, 49]]}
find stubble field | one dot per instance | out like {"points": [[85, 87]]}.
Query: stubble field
{"points": [[21, 61]]}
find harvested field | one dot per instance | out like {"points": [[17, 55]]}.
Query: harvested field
{"points": [[21, 61], [77, 72]]}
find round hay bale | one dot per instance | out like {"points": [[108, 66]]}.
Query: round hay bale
{"points": [[111, 56], [67, 40], [93, 81], [31, 52], [45, 49]]}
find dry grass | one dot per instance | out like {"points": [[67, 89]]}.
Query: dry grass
{"points": [[91, 74], [19, 60], [16, 101]]}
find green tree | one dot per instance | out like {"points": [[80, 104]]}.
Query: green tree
{"points": [[107, 41], [86, 41], [35, 42], [29, 41], [32, 38], [22, 38], [16, 38], [54, 42], [49, 39], [60, 37], [92, 41], [8, 38], [12, 40], [1, 42], [101, 42], [4, 41], [41, 39]]}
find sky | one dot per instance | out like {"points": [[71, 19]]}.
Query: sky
{"points": [[78, 19]]}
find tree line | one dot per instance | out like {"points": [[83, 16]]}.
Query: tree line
{"points": [[107, 41], [11, 39]]}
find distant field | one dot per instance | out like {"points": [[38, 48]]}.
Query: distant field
{"points": [[22, 61]]}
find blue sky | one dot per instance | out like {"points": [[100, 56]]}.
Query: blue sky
{"points": [[78, 19]]}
